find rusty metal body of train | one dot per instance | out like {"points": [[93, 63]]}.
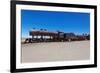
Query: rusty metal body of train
{"points": [[47, 36]]}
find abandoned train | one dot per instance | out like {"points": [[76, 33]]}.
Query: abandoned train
{"points": [[46, 36]]}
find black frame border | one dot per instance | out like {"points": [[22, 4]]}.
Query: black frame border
{"points": [[13, 36]]}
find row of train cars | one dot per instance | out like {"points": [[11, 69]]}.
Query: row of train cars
{"points": [[60, 37]]}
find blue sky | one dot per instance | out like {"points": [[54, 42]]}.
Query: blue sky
{"points": [[75, 22]]}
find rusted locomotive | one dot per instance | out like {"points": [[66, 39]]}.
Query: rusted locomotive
{"points": [[47, 36]]}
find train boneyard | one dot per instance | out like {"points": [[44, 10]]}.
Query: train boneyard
{"points": [[47, 36]]}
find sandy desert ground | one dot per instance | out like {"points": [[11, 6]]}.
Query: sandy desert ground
{"points": [[55, 51]]}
